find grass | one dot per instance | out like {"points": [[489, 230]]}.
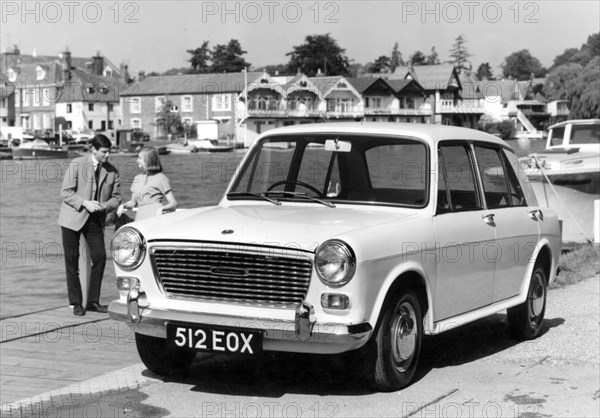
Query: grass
{"points": [[574, 266]]}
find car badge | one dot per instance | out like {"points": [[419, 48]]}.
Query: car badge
{"points": [[227, 231]]}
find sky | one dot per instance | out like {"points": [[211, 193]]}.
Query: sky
{"points": [[155, 35]]}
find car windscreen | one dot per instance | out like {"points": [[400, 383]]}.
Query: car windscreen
{"points": [[358, 169]]}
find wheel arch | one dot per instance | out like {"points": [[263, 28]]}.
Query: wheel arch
{"points": [[413, 278]]}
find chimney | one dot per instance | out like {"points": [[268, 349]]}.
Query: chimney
{"points": [[141, 75], [124, 73], [98, 64], [319, 73], [66, 64]]}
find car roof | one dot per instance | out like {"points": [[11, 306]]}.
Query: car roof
{"points": [[429, 133]]}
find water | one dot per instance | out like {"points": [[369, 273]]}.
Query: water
{"points": [[32, 267]]}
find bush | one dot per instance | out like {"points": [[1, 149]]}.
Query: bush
{"points": [[505, 129]]}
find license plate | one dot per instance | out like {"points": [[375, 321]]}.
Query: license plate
{"points": [[208, 338]]}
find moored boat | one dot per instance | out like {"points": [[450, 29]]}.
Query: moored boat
{"points": [[38, 149], [571, 158], [209, 145]]}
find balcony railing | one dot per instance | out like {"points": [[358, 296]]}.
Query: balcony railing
{"points": [[284, 113], [470, 106], [396, 111]]}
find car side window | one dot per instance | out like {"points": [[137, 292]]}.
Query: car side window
{"points": [[493, 177], [457, 177], [500, 184]]}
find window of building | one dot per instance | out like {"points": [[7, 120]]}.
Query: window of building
{"points": [[40, 73], [36, 97], [110, 107], [135, 105], [46, 97], [69, 108], [12, 75], [159, 102], [221, 102], [90, 124], [91, 107], [136, 123], [187, 104]]}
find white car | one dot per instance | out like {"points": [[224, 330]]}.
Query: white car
{"points": [[338, 238]]}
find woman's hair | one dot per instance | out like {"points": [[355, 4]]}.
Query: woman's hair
{"points": [[151, 159]]}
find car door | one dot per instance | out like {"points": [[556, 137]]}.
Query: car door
{"points": [[517, 229], [465, 237]]}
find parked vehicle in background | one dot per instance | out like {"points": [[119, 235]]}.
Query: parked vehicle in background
{"points": [[336, 238]]}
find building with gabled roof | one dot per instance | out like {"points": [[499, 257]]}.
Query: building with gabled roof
{"points": [[42, 84], [196, 97], [444, 89]]}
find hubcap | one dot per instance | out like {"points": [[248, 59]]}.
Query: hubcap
{"points": [[403, 334], [536, 296]]}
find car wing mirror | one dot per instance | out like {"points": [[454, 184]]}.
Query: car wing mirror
{"points": [[338, 146]]}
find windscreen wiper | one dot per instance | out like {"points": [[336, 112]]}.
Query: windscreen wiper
{"points": [[304, 195], [259, 195]]}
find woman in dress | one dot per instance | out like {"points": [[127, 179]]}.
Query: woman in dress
{"points": [[149, 189]]}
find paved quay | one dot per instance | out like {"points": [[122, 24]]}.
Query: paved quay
{"points": [[52, 349], [55, 364]]}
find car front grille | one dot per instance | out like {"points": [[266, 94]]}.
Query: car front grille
{"points": [[261, 276]]}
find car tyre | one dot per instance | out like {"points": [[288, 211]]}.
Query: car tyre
{"points": [[525, 320], [159, 358], [392, 356]]}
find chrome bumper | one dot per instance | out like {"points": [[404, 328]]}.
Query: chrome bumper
{"points": [[303, 335]]}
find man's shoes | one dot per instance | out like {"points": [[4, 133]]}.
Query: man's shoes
{"points": [[78, 310], [96, 307]]}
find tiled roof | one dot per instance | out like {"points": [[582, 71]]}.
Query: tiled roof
{"points": [[507, 89], [11, 60], [430, 77], [191, 84], [27, 73], [399, 85], [105, 89], [362, 84]]}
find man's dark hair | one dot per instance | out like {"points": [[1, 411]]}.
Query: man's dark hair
{"points": [[101, 141]]}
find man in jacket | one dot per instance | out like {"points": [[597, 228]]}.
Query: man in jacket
{"points": [[89, 191]]}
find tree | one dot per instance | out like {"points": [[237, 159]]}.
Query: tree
{"points": [[559, 79], [169, 122], [564, 58], [522, 65], [200, 59], [277, 69], [584, 92], [459, 54], [396, 58], [228, 58], [484, 72], [432, 59], [381, 65], [319, 52], [418, 58]]}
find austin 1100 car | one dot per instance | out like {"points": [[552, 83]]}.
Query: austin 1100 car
{"points": [[342, 239]]}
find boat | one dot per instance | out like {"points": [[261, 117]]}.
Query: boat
{"points": [[209, 145], [571, 158], [181, 149], [38, 149]]}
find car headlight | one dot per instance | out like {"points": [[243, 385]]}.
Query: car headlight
{"points": [[335, 263], [128, 248]]}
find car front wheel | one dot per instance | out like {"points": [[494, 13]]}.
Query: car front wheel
{"points": [[159, 358], [525, 320], [392, 357]]}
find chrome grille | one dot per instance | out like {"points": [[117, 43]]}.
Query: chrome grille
{"points": [[262, 276]]}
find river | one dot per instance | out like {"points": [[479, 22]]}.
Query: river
{"points": [[32, 268]]}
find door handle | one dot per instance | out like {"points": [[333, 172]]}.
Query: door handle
{"points": [[536, 214], [488, 218]]}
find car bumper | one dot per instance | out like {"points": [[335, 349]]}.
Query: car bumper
{"points": [[303, 335]]}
